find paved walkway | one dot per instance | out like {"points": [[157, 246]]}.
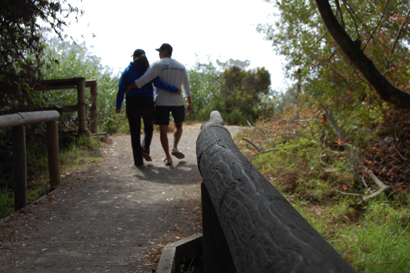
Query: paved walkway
{"points": [[112, 217]]}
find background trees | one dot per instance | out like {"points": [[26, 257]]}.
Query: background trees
{"points": [[204, 79], [22, 49], [235, 92], [326, 67], [64, 59], [241, 92], [354, 52], [380, 30], [317, 63], [21, 66], [370, 141]]}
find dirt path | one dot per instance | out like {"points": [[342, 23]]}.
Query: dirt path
{"points": [[110, 218]]}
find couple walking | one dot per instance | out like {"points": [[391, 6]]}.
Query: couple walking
{"points": [[136, 84]]}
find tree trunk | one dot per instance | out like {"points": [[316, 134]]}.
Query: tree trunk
{"points": [[384, 88]]}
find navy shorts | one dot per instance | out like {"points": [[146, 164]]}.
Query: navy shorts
{"points": [[162, 114]]}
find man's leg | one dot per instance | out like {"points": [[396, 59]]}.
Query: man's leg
{"points": [[178, 112], [164, 141], [162, 119], [177, 135]]}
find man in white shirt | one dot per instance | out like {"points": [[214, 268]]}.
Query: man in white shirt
{"points": [[174, 73]]}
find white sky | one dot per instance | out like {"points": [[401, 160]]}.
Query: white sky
{"points": [[221, 29]]}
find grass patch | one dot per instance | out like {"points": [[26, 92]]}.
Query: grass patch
{"points": [[6, 202], [307, 165], [85, 151], [79, 153]]}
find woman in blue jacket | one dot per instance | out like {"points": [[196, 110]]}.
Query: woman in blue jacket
{"points": [[140, 104]]}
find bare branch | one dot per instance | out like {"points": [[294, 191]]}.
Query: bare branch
{"points": [[402, 157], [398, 34], [338, 10], [364, 182], [348, 193], [253, 144], [384, 88], [377, 193], [374, 178], [345, 145]]}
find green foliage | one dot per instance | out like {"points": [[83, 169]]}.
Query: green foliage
{"points": [[303, 158], [316, 63], [372, 241], [236, 93], [6, 202], [382, 241], [22, 64], [236, 116], [21, 49], [79, 152], [242, 91], [67, 60], [296, 151], [204, 81], [231, 63]]}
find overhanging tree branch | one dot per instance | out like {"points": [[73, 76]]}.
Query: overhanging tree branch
{"points": [[400, 31], [384, 88]]}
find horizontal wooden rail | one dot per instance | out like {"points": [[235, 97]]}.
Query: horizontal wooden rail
{"points": [[61, 84], [17, 122], [25, 118], [248, 226]]}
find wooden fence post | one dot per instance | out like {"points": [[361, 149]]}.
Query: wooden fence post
{"points": [[20, 167], [93, 108], [217, 257], [82, 113], [53, 153], [80, 83]]}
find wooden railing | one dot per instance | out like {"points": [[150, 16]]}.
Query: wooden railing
{"points": [[248, 226], [17, 122], [80, 84]]}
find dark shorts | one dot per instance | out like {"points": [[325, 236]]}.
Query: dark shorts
{"points": [[162, 114]]}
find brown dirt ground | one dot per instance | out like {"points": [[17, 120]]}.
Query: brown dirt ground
{"points": [[110, 217]]}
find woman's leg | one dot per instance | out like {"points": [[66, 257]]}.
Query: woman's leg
{"points": [[134, 120], [147, 112]]}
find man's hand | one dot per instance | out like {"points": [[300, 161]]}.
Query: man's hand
{"points": [[190, 109], [179, 91], [118, 111], [129, 87]]}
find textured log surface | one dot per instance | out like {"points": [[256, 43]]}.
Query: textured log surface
{"points": [[262, 229], [24, 118]]}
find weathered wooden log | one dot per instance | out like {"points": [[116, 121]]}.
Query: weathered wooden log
{"points": [[24, 118], [263, 231], [216, 254]]}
